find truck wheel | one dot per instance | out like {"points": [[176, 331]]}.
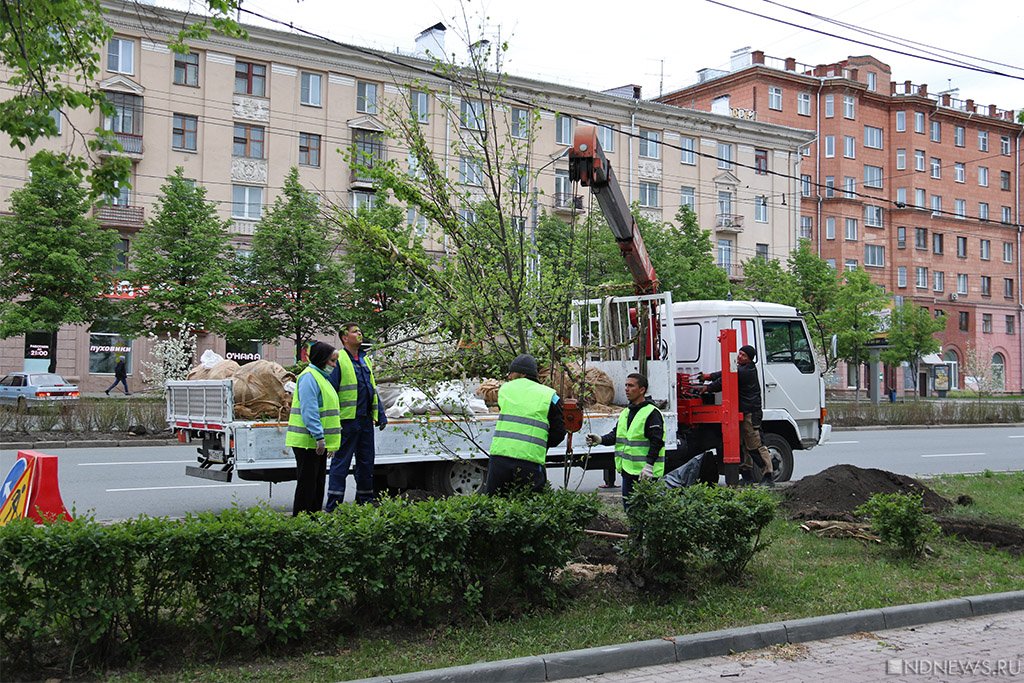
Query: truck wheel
{"points": [[458, 477], [782, 455]]}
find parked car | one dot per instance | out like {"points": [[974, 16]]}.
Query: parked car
{"points": [[31, 389]]}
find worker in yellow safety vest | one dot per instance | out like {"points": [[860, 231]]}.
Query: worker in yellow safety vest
{"points": [[529, 423], [639, 437], [314, 427]]}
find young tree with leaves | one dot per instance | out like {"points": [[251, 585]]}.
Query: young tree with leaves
{"points": [[181, 259], [911, 336], [857, 317], [819, 290], [767, 280], [55, 262], [292, 284]]}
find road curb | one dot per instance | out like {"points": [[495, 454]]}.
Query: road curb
{"points": [[86, 443], [598, 660]]}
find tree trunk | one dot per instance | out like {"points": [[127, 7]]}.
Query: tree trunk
{"points": [[53, 352]]}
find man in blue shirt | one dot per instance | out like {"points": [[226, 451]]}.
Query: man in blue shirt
{"points": [[360, 411]]}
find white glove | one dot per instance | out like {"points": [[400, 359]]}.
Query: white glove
{"points": [[593, 439], [647, 472], [321, 447]]}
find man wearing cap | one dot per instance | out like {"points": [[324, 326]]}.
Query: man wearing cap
{"points": [[530, 422], [314, 427], [639, 437], [361, 409], [749, 387]]}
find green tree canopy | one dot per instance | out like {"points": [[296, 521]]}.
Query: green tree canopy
{"points": [[911, 335], [182, 256], [857, 316], [767, 280]]}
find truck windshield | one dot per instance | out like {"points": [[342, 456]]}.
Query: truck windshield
{"points": [[786, 342]]}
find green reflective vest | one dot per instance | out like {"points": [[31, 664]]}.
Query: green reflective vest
{"points": [[348, 387], [330, 416], [632, 447], [522, 429]]}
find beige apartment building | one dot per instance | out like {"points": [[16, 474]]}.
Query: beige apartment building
{"points": [[238, 115], [920, 189]]}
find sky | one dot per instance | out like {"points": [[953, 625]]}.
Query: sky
{"points": [[661, 44]]}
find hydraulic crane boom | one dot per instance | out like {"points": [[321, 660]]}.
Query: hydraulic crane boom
{"points": [[589, 166]]}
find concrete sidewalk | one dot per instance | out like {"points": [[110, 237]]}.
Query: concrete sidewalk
{"points": [[965, 639]]}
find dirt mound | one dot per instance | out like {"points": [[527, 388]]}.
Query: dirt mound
{"points": [[1006, 537], [837, 491]]}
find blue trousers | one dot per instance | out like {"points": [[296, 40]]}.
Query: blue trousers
{"points": [[356, 443]]}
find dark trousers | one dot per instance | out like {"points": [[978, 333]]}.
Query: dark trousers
{"points": [[311, 476], [119, 380], [356, 443], [627, 487], [505, 474]]}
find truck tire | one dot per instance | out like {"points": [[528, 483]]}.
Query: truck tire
{"points": [[458, 477], [782, 455]]}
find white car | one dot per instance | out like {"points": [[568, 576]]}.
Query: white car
{"points": [[30, 389]]}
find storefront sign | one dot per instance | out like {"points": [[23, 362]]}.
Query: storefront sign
{"points": [[941, 377]]}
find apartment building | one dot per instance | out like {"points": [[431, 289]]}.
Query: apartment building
{"points": [[238, 115], [920, 189]]}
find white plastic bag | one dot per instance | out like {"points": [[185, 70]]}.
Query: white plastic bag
{"points": [[210, 358]]}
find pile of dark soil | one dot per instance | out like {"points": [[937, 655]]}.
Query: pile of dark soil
{"points": [[836, 492], [1006, 537]]}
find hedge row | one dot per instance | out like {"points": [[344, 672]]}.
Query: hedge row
{"points": [[83, 594]]}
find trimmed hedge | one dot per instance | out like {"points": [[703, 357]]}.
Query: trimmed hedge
{"points": [[83, 594]]}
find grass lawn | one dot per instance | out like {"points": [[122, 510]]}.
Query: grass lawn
{"points": [[798, 575]]}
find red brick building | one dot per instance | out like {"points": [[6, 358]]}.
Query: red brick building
{"points": [[921, 190]]}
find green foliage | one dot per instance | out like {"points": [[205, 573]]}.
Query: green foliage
{"points": [[55, 263], [899, 520], [765, 280], [819, 291], [292, 285], [911, 335], [679, 537], [182, 256], [241, 579], [856, 315]]}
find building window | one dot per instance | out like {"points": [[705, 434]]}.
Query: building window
{"points": [[964, 321], [1004, 145], [986, 285], [520, 123], [961, 247], [563, 194], [901, 277], [938, 281], [919, 122], [936, 205], [921, 277], [366, 97], [417, 221], [419, 106], [761, 209], [918, 159], [724, 156], [649, 144], [1008, 287], [471, 114], [803, 104], [850, 264], [606, 136], [1004, 181], [851, 230], [1007, 252], [986, 323], [725, 255], [121, 56], [1011, 324], [649, 195], [872, 81], [309, 149], [958, 136], [983, 176], [830, 146], [873, 216], [919, 198], [761, 161], [849, 187], [250, 79], [687, 197], [960, 208], [830, 186], [849, 106], [830, 228], [761, 251], [901, 121], [470, 171], [123, 196], [104, 348], [982, 141], [830, 106], [563, 129], [246, 202], [874, 255], [901, 237], [959, 172], [186, 69], [309, 90], [983, 211], [805, 185], [806, 227], [775, 98], [961, 283], [688, 146], [520, 180], [185, 130], [937, 243], [936, 131], [1007, 216], [872, 137], [363, 200], [986, 250], [248, 141], [849, 147], [901, 159], [936, 165], [367, 151], [872, 176], [126, 120], [901, 197], [920, 238]]}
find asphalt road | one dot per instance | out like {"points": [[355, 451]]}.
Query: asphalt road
{"points": [[117, 483]]}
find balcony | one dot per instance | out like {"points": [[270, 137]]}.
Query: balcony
{"points": [[564, 202], [128, 217], [131, 143], [729, 222]]}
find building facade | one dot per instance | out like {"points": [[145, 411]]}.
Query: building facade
{"points": [[238, 115], [921, 190]]}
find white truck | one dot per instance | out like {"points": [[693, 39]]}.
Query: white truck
{"points": [[666, 341]]}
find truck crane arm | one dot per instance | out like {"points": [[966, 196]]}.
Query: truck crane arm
{"points": [[589, 166]]}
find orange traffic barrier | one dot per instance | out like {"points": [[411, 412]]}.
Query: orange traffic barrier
{"points": [[31, 490]]}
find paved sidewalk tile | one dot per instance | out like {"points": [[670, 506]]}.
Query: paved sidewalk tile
{"points": [[983, 648]]}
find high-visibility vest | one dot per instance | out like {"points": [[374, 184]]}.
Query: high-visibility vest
{"points": [[632, 447], [348, 386], [522, 428], [330, 416]]}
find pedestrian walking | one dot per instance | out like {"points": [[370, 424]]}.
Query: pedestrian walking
{"points": [[120, 376]]}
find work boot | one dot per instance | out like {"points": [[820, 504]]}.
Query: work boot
{"points": [[768, 479]]}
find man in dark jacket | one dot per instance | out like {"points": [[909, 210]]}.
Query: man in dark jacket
{"points": [[749, 387], [120, 376]]}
